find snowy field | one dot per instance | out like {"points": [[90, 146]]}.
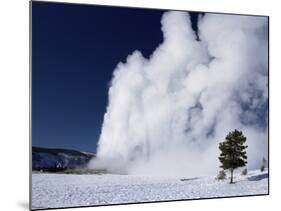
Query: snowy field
{"points": [[64, 190]]}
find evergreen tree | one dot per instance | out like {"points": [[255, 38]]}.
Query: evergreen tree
{"points": [[244, 172], [262, 168], [221, 175], [263, 164], [233, 154]]}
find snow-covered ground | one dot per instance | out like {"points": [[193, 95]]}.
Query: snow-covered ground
{"points": [[64, 190]]}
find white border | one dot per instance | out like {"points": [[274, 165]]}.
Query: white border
{"points": [[14, 104]]}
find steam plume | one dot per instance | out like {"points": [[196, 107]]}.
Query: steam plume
{"points": [[166, 114]]}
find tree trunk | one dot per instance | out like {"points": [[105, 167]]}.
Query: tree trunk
{"points": [[231, 176]]}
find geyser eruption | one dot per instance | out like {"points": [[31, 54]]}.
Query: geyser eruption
{"points": [[166, 114]]}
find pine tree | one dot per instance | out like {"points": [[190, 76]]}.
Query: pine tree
{"points": [[221, 175], [244, 172], [233, 154], [263, 164]]}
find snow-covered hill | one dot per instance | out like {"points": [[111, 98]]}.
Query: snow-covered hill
{"points": [[61, 190], [58, 159]]}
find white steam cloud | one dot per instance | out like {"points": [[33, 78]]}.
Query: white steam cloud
{"points": [[167, 114]]}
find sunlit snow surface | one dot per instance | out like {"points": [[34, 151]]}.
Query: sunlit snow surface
{"points": [[64, 190]]}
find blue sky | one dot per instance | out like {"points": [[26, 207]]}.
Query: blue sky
{"points": [[75, 49]]}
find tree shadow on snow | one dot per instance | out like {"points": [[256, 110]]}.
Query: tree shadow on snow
{"points": [[258, 177], [189, 179]]}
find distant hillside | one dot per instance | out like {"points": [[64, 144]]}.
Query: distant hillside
{"points": [[53, 160]]}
